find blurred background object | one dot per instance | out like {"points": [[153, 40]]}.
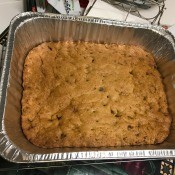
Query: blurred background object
{"points": [[154, 11], [151, 10], [172, 29], [112, 12], [8, 9], [159, 12]]}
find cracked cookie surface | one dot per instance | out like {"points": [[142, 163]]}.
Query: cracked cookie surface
{"points": [[92, 95]]}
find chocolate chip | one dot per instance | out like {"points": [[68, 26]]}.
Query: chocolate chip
{"points": [[112, 112], [137, 134], [101, 89], [130, 117], [145, 138], [125, 138], [149, 72], [30, 120], [50, 48], [118, 114], [131, 72], [130, 127], [75, 109], [156, 141], [166, 114], [63, 136], [145, 98], [59, 117]]}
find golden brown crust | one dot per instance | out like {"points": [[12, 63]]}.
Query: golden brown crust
{"points": [[92, 95]]}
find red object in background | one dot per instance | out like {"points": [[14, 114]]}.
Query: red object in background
{"points": [[83, 3], [165, 27], [33, 9], [135, 168], [46, 2], [31, 5]]}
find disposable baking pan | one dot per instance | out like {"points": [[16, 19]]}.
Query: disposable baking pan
{"points": [[27, 30]]}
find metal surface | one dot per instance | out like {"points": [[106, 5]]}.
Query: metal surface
{"points": [[30, 29], [2, 55], [3, 37], [139, 8]]}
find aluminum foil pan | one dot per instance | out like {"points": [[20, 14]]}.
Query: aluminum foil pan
{"points": [[30, 29]]}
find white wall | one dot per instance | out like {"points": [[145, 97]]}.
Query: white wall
{"points": [[8, 9]]}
